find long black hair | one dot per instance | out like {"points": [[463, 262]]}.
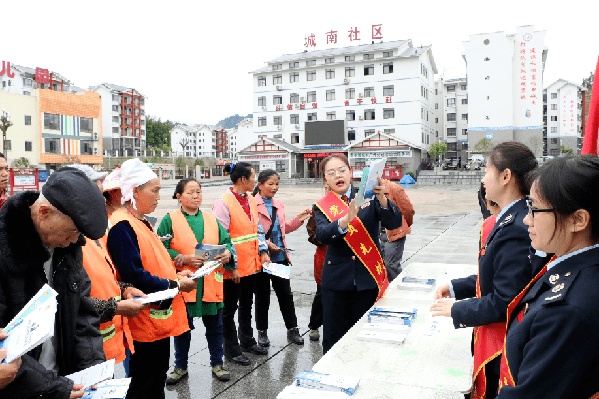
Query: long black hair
{"points": [[238, 170], [516, 157], [182, 184], [263, 177]]}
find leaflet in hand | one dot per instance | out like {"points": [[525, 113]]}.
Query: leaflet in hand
{"points": [[109, 389], [205, 270], [209, 252], [158, 296], [370, 176], [277, 269], [32, 326], [94, 374]]}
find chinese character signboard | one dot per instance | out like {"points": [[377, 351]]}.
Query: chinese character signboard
{"points": [[6, 70], [353, 34], [569, 113]]}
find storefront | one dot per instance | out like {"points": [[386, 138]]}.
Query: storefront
{"points": [[274, 154], [312, 162]]}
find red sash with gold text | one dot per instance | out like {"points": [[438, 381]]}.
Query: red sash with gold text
{"points": [[358, 239]]}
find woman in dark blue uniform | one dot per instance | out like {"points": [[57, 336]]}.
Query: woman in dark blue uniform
{"points": [[351, 281], [552, 346], [504, 267]]}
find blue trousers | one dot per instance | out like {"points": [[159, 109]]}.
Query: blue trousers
{"points": [[214, 336]]}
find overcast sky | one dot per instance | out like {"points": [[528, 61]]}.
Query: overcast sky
{"points": [[191, 59]]}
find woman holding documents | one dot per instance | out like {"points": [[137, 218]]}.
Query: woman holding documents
{"points": [[552, 344], [504, 267], [354, 275], [271, 214], [187, 227], [142, 261]]}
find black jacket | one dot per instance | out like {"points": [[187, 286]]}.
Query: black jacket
{"points": [[78, 340]]}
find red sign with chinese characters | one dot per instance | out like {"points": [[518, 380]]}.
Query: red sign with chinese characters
{"points": [[42, 76], [6, 69], [528, 70], [353, 35]]}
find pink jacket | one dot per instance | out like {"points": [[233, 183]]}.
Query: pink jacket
{"points": [[264, 218]]}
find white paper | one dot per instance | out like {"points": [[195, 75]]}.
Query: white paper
{"points": [[209, 252], [158, 296], [94, 374], [369, 180], [206, 269], [109, 389], [292, 391], [277, 269]]}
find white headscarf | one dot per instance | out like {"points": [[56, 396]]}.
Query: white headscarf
{"points": [[134, 173]]}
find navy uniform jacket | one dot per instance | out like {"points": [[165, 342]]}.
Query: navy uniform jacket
{"points": [[553, 351], [341, 267], [504, 271]]}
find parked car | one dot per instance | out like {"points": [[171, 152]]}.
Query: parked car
{"points": [[451, 163]]}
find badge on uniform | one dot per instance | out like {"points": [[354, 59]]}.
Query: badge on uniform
{"points": [[553, 278], [558, 288], [507, 219]]}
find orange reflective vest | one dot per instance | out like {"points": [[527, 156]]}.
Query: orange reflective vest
{"points": [[184, 241], [102, 273], [153, 324], [244, 235]]}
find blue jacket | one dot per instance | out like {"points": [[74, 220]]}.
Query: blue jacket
{"points": [[342, 269], [504, 271], [553, 348]]}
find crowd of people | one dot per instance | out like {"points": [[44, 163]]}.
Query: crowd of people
{"points": [[532, 303]]}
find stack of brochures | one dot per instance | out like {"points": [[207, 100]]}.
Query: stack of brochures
{"points": [[94, 374], [116, 389], [370, 176], [389, 314], [158, 296], [209, 252], [206, 269], [383, 332], [295, 392], [277, 269], [416, 283], [327, 382], [32, 326]]}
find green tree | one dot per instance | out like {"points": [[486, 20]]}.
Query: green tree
{"points": [[198, 162], [483, 145], [437, 149], [180, 163], [20, 163], [565, 150], [158, 133]]}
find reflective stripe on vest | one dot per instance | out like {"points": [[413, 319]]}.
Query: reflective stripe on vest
{"points": [[161, 314], [108, 333], [242, 239]]}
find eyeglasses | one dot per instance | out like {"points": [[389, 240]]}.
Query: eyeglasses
{"points": [[532, 211], [333, 172]]}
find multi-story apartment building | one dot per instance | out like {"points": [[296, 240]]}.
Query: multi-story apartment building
{"points": [[222, 143], [22, 80], [451, 116], [563, 116], [232, 135], [505, 86], [123, 119], [195, 141]]}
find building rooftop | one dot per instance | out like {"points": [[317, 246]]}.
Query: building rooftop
{"points": [[31, 71], [116, 88], [564, 82]]}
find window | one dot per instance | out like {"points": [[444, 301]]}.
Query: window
{"points": [[311, 96], [277, 120], [368, 132], [387, 53], [51, 121], [464, 132], [389, 131], [329, 60], [8, 145], [388, 67], [553, 106], [26, 93], [261, 80], [52, 146], [330, 73], [330, 95], [388, 91], [28, 146], [369, 56], [262, 101], [554, 129], [464, 117], [369, 92], [277, 100], [451, 102], [554, 118], [350, 93], [277, 79], [310, 62], [295, 139], [351, 135], [368, 69], [277, 66], [350, 58], [310, 75], [553, 95], [331, 116], [87, 125], [262, 121], [294, 98], [436, 92], [294, 64], [451, 131], [86, 147], [312, 116], [388, 113], [116, 130], [451, 117], [294, 119], [116, 119], [293, 77], [436, 105], [464, 101], [553, 141], [369, 114], [451, 146], [27, 82], [350, 115], [27, 120], [451, 88], [350, 71], [464, 87], [464, 146], [280, 165]]}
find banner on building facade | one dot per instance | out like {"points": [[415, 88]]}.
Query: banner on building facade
{"points": [[370, 155], [269, 157]]}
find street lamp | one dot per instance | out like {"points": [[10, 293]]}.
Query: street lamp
{"points": [[5, 123]]}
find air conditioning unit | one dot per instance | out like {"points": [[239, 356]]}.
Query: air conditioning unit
{"points": [[360, 95], [346, 81], [96, 136], [95, 150], [279, 88], [264, 108], [361, 117], [302, 99], [279, 127], [297, 126]]}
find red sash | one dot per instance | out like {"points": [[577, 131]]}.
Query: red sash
{"points": [[358, 239], [505, 375]]}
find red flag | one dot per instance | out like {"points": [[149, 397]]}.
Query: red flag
{"points": [[589, 145]]}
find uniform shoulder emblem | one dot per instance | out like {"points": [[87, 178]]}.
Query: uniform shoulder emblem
{"points": [[507, 219]]}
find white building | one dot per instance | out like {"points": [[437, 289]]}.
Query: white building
{"points": [[451, 116], [194, 141], [123, 120], [18, 79], [384, 88], [505, 85], [245, 134], [232, 141], [563, 116]]}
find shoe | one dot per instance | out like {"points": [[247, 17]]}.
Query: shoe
{"points": [[294, 336], [176, 376], [314, 335], [221, 373], [263, 339], [241, 359], [258, 350]]}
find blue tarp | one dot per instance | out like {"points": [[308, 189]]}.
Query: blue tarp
{"points": [[407, 179]]}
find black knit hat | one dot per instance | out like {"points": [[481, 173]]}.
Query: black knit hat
{"points": [[72, 193]]}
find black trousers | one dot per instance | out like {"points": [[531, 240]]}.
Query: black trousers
{"points": [[147, 368], [341, 310], [238, 296], [282, 288], [316, 313]]}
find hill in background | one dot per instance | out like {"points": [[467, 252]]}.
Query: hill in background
{"points": [[232, 121]]}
